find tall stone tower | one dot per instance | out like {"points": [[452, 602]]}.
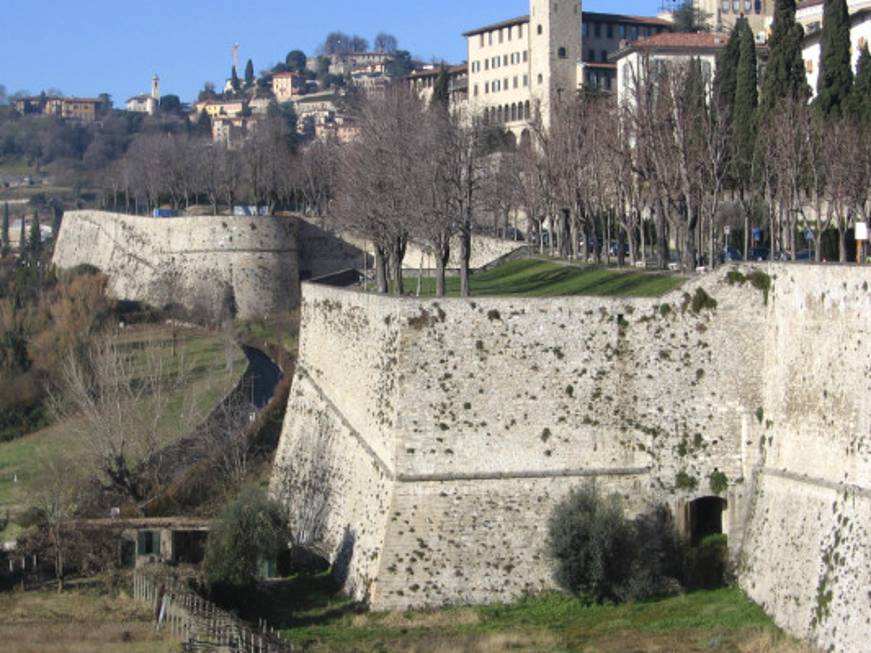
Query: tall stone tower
{"points": [[555, 50], [154, 100]]}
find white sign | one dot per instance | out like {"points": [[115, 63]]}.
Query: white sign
{"points": [[727, 230], [861, 231]]}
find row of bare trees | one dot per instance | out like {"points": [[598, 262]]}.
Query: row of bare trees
{"points": [[180, 169]]}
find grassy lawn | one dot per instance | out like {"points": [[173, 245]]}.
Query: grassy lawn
{"points": [[282, 330], [209, 381], [312, 614], [77, 621], [538, 278]]}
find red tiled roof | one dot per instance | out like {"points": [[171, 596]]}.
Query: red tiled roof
{"points": [[287, 73], [433, 72], [599, 65]]}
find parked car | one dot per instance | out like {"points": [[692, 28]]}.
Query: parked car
{"points": [[614, 248], [806, 255], [730, 254], [759, 254]]}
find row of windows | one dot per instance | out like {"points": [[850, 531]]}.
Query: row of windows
{"points": [[507, 113], [630, 32], [600, 79], [742, 6], [503, 60], [591, 55], [503, 34], [502, 85]]}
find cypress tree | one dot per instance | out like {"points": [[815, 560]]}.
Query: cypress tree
{"points": [[836, 75], [727, 68], [34, 244], [4, 231], [784, 75], [440, 92], [746, 100], [249, 73], [234, 79], [22, 239], [860, 96]]}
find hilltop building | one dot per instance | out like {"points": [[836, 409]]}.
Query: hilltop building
{"points": [[518, 65], [668, 48], [68, 108], [423, 81], [146, 103], [723, 14], [602, 35], [288, 85], [860, 35]]}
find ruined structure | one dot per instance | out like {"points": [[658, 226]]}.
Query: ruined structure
{"points": [[426, 442]]}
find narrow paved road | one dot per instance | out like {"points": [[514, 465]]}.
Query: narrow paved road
{"points": [[263, 376]]}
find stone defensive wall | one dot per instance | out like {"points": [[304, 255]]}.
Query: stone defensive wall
{"points": [[426, 441], [188, 260]]}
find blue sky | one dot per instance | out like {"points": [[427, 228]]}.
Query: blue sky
{"points": [[91, 46]]}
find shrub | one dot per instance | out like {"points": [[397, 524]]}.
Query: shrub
{"points": [[590, 540], [251, 528]]}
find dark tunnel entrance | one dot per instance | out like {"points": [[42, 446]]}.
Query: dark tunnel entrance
{"points": [[705, 518]]}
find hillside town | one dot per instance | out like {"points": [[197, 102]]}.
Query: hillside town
{"points": [[560, 345]]}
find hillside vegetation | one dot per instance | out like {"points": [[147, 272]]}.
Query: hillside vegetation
{"points": [[540, 278]]}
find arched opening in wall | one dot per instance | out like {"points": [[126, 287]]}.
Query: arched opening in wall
{"points": [[499, 114], [524, 138], [526, 113], [705, 517], [510, 141]]}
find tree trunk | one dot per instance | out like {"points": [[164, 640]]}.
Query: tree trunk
{"points": [[465, 255], [442, 255], [380, 270]]}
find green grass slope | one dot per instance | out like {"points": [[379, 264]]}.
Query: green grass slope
{"points": [[540, 278]]}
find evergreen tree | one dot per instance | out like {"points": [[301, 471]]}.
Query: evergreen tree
{"points": [[34, 243], [249, 73], [745, 104], [860, 96], [836, 75], [440, 89], [4, 231], [784, 75], [234, 79], [727, 70], [22, 239]]}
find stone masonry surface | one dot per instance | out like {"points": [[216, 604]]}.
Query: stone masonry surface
{"points": [[426, 441], [190, 261]]}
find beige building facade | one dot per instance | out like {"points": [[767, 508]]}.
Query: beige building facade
{"points": [[516, 67]]}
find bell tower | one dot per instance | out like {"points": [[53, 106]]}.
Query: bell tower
{"points": [[555, 51]]}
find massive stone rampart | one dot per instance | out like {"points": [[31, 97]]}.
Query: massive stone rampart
{"points": [[189, 260], [426, 442]]}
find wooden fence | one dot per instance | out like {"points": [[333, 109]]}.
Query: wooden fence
{"points": [[201, 625]]}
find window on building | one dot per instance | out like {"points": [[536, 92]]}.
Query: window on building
{"points": [[486, 64], [489, 38], [633, 33], [481, 44], [604, 55], [520, 31], [609, 30], [591, 55], [475, 90], [736, 6], [505, 85], [597, 30], [758, 6], [539, 29], [510, 32], [504, 59], [585, 29], [486, 87], [748, 6], [501, 35], [540, 78], [525, 56], [561, 53], [525, 81], [621, 31], [515, 81], [608, 81]]}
